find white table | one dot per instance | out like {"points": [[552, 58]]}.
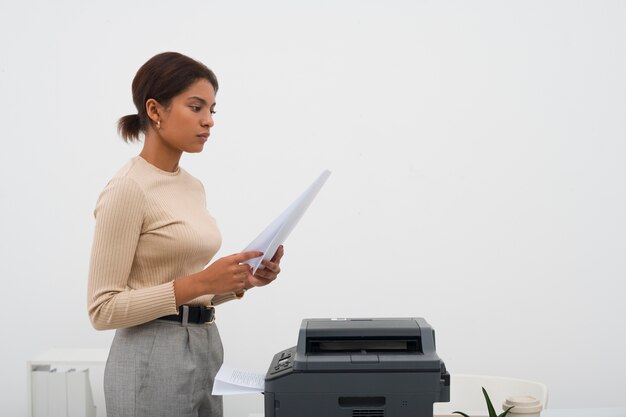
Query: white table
{"points": [[564, 412], [585, 412]]}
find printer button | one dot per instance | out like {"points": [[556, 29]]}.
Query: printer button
{"points": [[367, 358]]}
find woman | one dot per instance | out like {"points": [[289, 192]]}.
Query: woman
{"points": [[153, 239]]}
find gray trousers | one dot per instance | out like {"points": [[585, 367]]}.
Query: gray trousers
{"points": [[163, 369]]}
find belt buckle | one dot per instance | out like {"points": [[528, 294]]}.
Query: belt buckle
{"points": [[208, 311]]}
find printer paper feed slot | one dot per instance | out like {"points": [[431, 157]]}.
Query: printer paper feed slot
{"points": [[364, 346]]}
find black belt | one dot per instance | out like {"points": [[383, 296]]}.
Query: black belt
{"points": [[195, 314]]}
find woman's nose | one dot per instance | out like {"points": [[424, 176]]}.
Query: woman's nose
{"points": [[208, 120]]}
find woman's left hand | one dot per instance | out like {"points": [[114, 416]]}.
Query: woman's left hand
{"points": [[270, 271]]}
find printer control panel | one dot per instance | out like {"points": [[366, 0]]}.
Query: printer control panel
{"points": [[282, 362]]}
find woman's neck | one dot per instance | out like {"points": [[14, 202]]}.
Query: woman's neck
{"points": [[158, 153]]}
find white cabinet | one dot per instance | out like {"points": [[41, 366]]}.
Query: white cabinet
{"points": [[65, 359]]}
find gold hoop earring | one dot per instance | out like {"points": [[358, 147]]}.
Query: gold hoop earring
{"points": [[159, 124]]}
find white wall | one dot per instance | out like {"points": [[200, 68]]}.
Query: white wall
{"points": [[477, 151]]}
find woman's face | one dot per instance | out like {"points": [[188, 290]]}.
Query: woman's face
{"points": [[186, 122]]}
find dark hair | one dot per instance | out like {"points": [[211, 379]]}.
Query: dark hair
{"points": [[162, 78]]}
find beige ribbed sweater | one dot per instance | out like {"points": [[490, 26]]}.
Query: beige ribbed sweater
{"points": [[152, 227]]}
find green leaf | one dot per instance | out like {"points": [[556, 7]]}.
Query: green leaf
{"points": [[506, 412], [492, 412]]}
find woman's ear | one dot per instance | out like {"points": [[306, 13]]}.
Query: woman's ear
{"points": [[152, 110]]}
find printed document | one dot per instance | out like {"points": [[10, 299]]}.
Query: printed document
{"points": [[229, 381], [276, 233]]}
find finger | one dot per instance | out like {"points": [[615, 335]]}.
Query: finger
{"points": [[279, 254], [267, 273], [263, 273], [242, 269], [272, 266], [246, 256], [244, 272], [249, 273], [259, 282]]}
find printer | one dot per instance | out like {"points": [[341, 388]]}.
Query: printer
{"points": [[375, 367]]}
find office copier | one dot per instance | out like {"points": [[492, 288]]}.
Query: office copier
{"points": [[385, 367]]}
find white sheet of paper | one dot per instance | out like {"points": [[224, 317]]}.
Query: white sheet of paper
{"points": [[230, 381], [276, 233]]}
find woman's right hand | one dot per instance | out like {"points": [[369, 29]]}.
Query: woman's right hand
{"points": [[228, 274]]}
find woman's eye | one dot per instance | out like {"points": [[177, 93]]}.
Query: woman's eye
{"points": [[195, 108], [213, 111]]}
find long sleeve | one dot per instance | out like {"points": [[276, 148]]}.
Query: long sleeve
{"points": [[120, 214]]}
